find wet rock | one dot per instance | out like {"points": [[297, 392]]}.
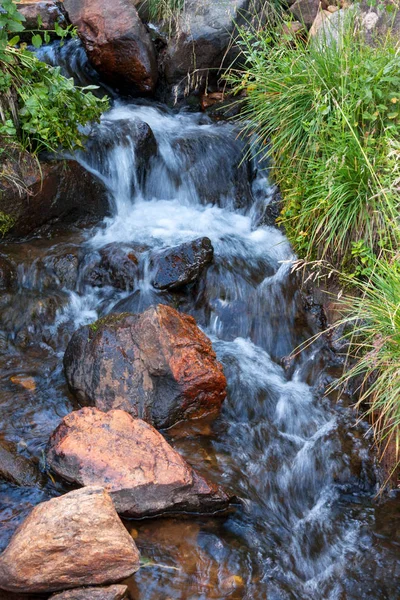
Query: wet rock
{"points": [[129, 133], [16, 468], [200, 157], [129, 458], [174, 267], [67, 542], [117, 265], [112, 592], [117, 43], [61, 266], [59, 190], [28, 314], [49, 11], [7, 273], [157, 365]]}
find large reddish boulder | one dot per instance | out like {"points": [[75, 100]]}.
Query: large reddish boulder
{"points": [[158, 366], [117, 43], [129, 458], [68, 542]]}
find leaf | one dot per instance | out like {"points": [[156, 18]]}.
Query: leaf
{"points": [[14, 40], [37, 40]]}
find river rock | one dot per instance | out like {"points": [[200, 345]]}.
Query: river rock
{"points": [[16, 468], [56, 190], [112, 592], [130, 133], [198, 50], [50, 13], [60, 267], [156, 365], [67, 542], [117, 43], [116, 264], [174, 267], [129, 458]]}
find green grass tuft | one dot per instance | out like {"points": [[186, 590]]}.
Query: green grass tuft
{"points": [[328, 115]]}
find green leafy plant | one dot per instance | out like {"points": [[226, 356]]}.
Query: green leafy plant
{"points": [[39, 107]]}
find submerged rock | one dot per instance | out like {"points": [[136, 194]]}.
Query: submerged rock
{"points": [[7, 273], [68, 542], [112, 592], [157, 365], [181, 265], [16, 468], [117, 43], [129, 458], [116, 264]]}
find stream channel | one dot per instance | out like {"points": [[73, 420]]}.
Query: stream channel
{"points": [[308, 525]]}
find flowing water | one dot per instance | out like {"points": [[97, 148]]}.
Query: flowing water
{"points": [[307, 526]]}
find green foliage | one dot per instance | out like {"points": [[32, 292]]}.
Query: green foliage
{"points": [[328, 114], [164, 10], [39, 107], [374, 314], [6, 222]]}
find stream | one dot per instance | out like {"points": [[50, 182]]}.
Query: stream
{"points": [[307, 525]]}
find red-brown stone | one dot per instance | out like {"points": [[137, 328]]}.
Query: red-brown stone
{"points": [[129, 458], [67, 542], [116, 41]]}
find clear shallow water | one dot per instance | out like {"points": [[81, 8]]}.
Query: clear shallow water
{"points": [[307, 526]]}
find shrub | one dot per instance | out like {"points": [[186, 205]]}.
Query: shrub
{"points": [[38, 106], [328, 114], [374, 317]]}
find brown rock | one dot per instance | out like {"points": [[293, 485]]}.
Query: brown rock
{"points": [[16, 468], [112, 592], [129, 458], [157, 365], [49, 11], [59, 188], [305, 11], [117, 43], [68, 542]]}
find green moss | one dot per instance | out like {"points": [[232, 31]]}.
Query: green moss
{"points": [[6, 223], [111, 319]]}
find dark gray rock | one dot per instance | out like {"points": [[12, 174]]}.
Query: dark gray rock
{"points": [[117, 264], [175, 267]]}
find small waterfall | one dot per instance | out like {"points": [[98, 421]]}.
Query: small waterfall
{"points": [[305, 528]]}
